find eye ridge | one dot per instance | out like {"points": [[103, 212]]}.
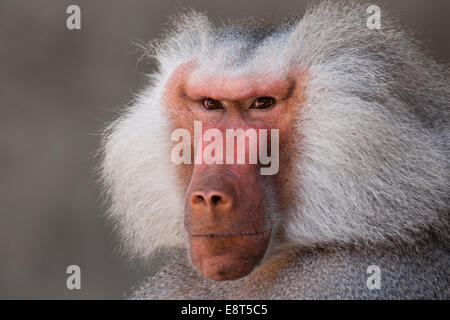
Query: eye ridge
{"points": [[211, 104], [263, 103]]}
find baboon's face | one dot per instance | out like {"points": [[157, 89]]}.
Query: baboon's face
{"points": [[227, 217]]}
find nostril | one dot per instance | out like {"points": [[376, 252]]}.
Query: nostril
{"points": [[215, 199], [219, 200], [199, 198]]}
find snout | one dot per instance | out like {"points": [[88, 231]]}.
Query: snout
{"points": [[225, 221]]}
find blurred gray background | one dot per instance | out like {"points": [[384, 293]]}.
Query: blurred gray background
{"points": [[58, 88]]}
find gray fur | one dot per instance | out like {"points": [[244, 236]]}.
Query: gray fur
{"points": [[328, 273], [372, 174]]}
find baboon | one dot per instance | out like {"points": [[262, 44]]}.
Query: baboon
{"points": [[363, 177]]}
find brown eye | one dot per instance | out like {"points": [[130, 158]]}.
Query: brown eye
{"points": [[263, 103], [211, 104]]}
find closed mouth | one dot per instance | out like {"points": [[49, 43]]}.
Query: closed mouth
{"points": [[229, 234]]}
